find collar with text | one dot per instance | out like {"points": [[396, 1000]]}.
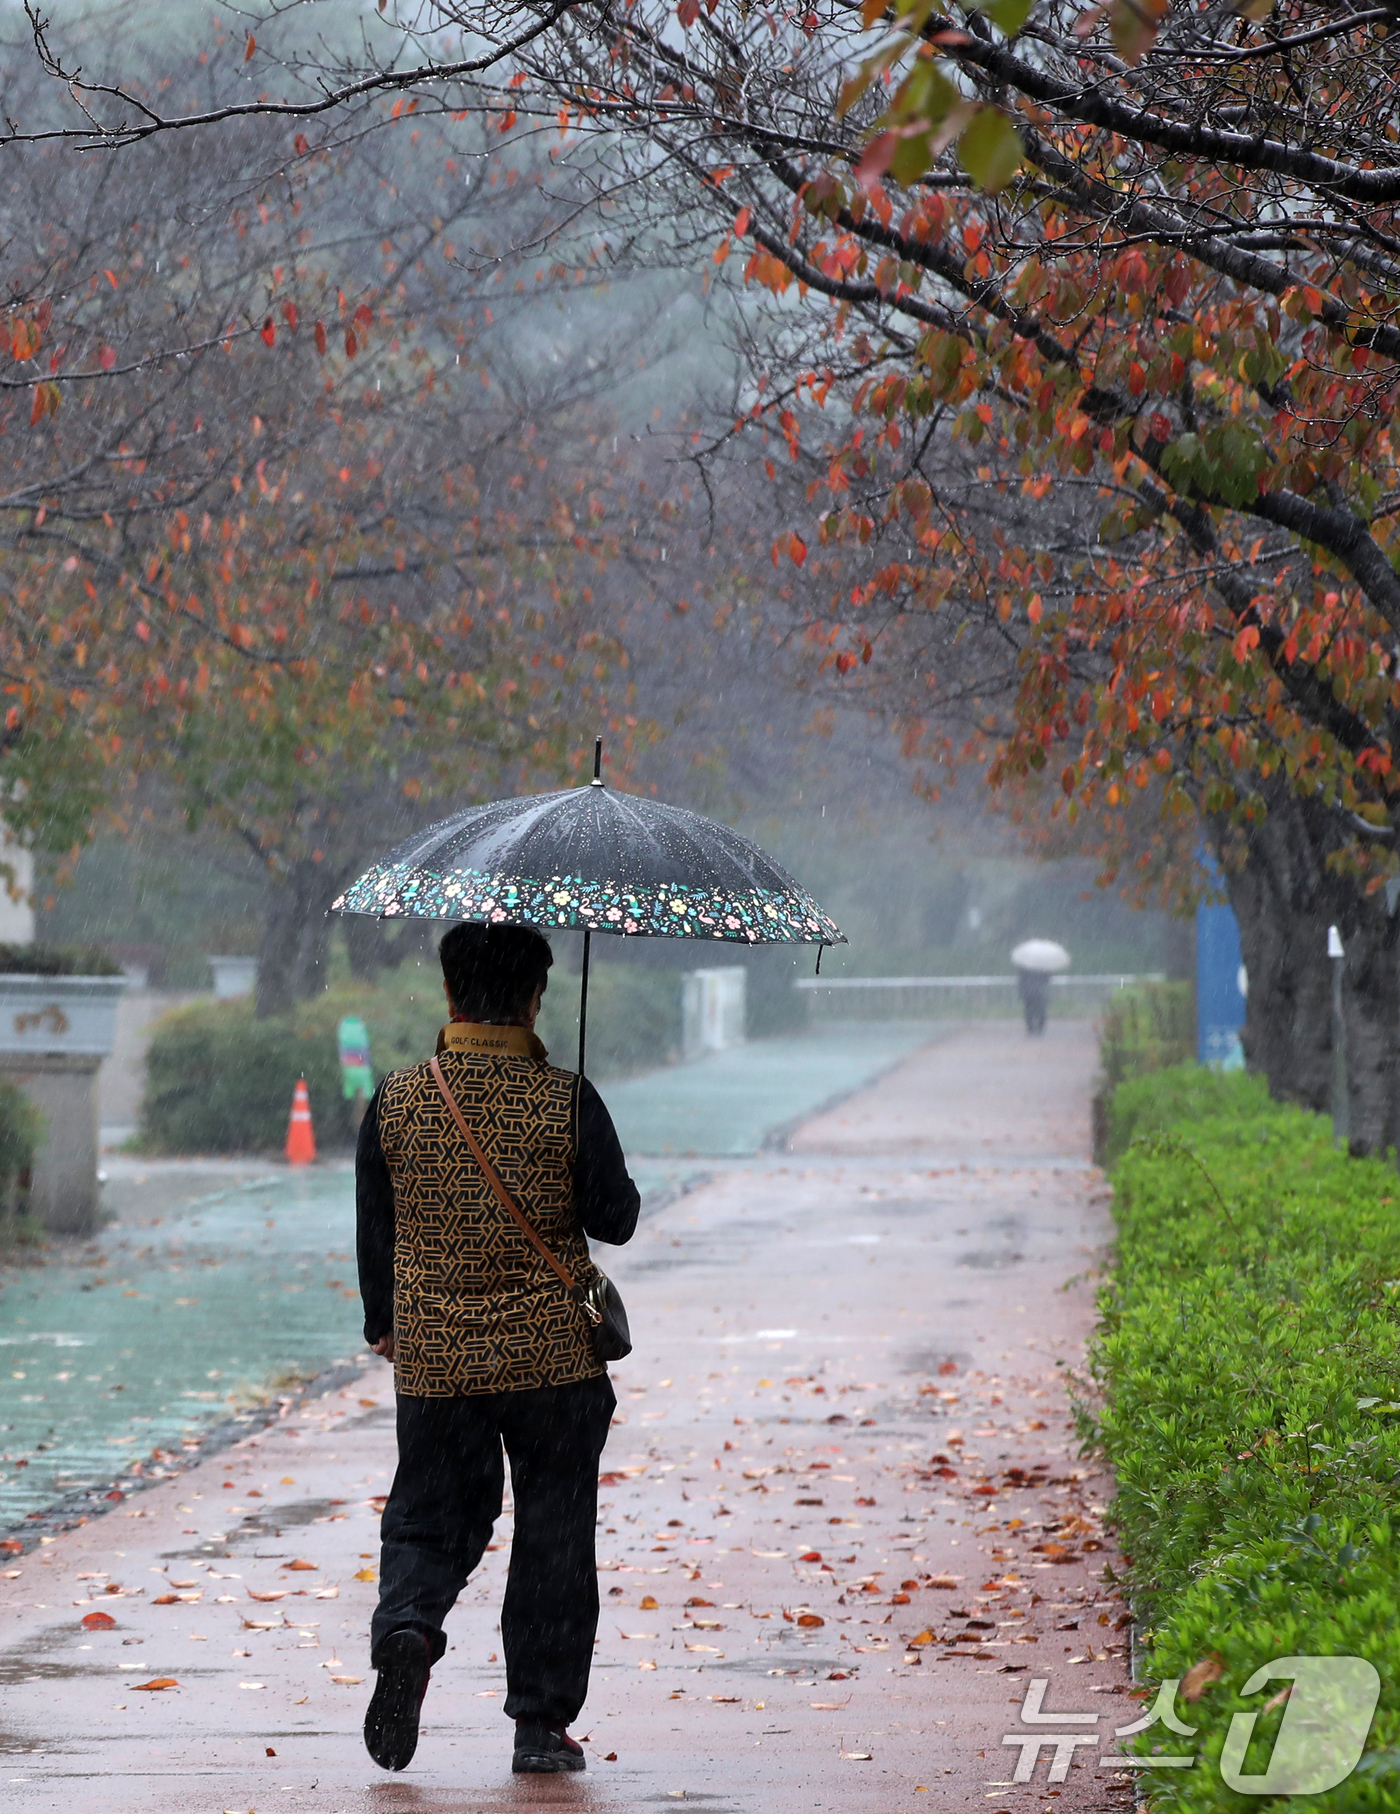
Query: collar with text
{"points": [[490, 1041]]}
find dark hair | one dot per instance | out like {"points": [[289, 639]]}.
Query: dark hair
{"points": [[492, 971]]}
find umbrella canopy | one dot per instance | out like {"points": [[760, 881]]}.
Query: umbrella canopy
{"points": [[1040, 954], [597, 861]]}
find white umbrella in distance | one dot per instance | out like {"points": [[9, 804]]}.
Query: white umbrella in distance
{"points": [[1040, 954]]}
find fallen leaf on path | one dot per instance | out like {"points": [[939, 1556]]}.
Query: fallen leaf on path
{"points": [[98, 1621], [810, 1619], [328, 1593], [365, 1574], [924, 1637], [646, 1665], [859, 1757], [278, 1593], [647, 1603], [262, 1625], [348, 1681], [610, 1757], [830, 1706], [178, 1599], [300, 1562], [160, 1681], [944, 1581], [252, 1684]]}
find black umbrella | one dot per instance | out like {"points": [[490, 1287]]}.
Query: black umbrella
{"points": [[596, 861]]}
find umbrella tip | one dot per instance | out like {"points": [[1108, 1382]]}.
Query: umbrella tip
{"points": [[597, 762]]}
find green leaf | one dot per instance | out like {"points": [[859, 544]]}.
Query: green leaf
{"points": [[1010, 15], [991, 150]]}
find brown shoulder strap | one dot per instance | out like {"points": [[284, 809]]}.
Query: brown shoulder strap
{"points": [[503, 1196]]}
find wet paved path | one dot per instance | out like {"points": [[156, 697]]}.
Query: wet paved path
{"points": [[221, 1280], [843, 1524]]}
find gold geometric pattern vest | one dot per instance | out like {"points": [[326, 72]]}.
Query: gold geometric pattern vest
{"points": [[475, 1307]]}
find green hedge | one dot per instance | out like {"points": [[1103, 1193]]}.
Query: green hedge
{"points": [[57, 960], [1249, 1357], [219, 1081], [21, 1129]]}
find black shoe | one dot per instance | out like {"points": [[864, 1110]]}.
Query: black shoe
{"points": [[540, 1750], [391, 1722]]}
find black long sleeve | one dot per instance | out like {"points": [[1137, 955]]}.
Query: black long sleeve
{"points": [[605, 1198], [374, 1226]]}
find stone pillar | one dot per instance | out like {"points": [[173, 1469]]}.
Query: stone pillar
{"points": [[54, 1033], [63, 1182]]}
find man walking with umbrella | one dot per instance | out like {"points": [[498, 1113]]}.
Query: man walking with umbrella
{"points": [[1036, 961], [478, 1177]]}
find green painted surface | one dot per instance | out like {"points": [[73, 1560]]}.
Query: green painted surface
{"points": [[729, 1103], [168, 1324]]}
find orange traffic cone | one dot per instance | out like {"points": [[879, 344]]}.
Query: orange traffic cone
{"points": [[301, 1139]]}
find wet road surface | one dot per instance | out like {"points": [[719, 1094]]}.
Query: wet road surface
{"points": [[843, 1522]]}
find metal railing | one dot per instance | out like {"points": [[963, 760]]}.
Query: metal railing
{"points": [[900, 996]]}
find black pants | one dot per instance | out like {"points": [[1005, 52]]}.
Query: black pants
{"points": [[447, 1496]]}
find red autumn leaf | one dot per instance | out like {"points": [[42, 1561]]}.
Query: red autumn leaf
{"points": [[320, 336], [249, 48], [111, 277], [741, 223], [160, 1681], [688, 11], [299, 144], [36, 413], [352, 346], [107, 358], [289, 315], [364, 316], [98, 1621], [797, 549], [269, 332]]}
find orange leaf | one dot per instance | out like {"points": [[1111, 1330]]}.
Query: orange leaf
{"points": [[320, 336], [249, 48], [160, 1681], [36, 414], [98, 1621], [111, 277], [289, 315], [741, 222], [299, 1562], [797, 549], [722, 251], [269, 332]]}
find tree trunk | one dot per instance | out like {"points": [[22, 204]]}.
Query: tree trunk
{"points": [[1281, 899], [1285, 897], [371, 947], [295, 936], [1370, 1017]]}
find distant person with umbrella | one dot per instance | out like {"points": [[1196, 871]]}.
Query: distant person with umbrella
{"points": [[1036, 960], [489, 1348]]}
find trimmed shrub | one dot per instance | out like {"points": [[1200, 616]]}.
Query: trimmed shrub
{"points": [[634, 1019], [21, 1130], [1249, 1357], [218, 1081], [1144, 1029], [57, 960]]}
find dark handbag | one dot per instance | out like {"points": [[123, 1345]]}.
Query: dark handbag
{"points": [[601, 1302]]}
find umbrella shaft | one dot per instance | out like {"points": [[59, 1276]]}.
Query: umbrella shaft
{"points": [[583, 1002]]}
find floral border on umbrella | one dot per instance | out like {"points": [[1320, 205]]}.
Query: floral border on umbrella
{"points": [[758, 916]]}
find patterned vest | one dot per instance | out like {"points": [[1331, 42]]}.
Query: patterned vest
{"points": [[475, 1307]]}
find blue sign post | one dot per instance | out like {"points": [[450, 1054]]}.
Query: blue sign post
{"points": [[1220, 981]]}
